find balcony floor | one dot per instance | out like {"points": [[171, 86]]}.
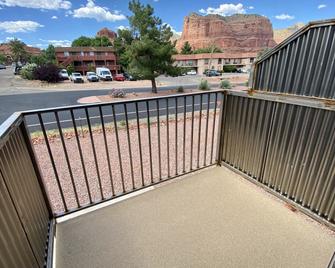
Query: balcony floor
{"points": [[214, 218]]}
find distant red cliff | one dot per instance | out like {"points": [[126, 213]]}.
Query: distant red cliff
{"points": [[245, 33]]}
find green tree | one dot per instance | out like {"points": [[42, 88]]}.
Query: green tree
{"points": [[150, 53], [18, 51], [124, 38], [50, 54], [101, 41], [3, 59], [186, 49], [70, 69], [210, 49], [82, 41]]}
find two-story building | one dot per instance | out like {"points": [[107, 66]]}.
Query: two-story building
{"points": [[85, 59], [215, 61]]}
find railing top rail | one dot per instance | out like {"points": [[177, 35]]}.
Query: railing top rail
{"points": [[83, 106], [307, 101], [11, 122]]}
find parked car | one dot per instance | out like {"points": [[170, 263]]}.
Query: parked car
{"points": [[129, 77], [119, 77], [192, 72], [212, 73], [104, 74], [63, 74], [2, 66], [92, 77], [77, 78]]}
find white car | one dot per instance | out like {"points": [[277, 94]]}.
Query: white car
{"points": [[63, 74], [92, 77], [191, 72], [77, 78]]}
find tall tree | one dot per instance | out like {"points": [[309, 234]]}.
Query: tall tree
{"points": [[124, 38], [18, 50], [150, 52], [82, 41], [186, 49], [50, 54], [3, 59], [98, 41]]}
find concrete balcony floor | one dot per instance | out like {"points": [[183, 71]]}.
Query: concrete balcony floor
{"points": [[214, 218]]}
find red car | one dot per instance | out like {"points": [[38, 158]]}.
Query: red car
{"points": [[119, 77]]}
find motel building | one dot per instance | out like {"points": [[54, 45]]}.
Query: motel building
{"points": [[85, 59], [215, 61]]}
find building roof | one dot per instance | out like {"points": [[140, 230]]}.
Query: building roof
{"points": [[84, 49], [230, 55]]}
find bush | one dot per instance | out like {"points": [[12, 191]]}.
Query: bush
{"points": [[27, 71], [118, 93], [225, 84], [204, 85], [180, 89], [229, 68], [48, 73]]}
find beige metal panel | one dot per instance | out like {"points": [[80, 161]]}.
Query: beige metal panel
{"points": [[20, 177], [304, 64], [288, 147], [15, 249]]}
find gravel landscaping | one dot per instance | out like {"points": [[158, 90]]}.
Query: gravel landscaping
{"points": [[111, 178]]}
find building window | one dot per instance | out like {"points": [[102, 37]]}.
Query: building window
{"points": [[91, 53], [220, 61], [66, 53], [206, 61], [252, 60]]}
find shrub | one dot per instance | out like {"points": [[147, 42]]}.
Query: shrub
{"points": [[48, 73], [27, 71], [204, 85], [180, 89], [225, 84], [229, 68], [118, 93]]}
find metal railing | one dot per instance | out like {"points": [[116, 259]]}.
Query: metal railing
{"points": [[92, 153], [57, 161], [25, 211]]}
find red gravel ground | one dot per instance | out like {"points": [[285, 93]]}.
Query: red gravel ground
{"points": [[111, 180]]}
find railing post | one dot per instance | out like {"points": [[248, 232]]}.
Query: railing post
{"points": [[24, 131], [221, 125]]}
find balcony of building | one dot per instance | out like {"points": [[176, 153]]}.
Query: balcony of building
{"points": [[203, 179]]}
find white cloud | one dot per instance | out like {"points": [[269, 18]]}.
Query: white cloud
{"points": [[54, 17], [40, 4], [322, 6], [58, 43], [10, 38], [20, 26], [284, 17], [92, 11], [224, 10], [251, 7], [172, 29], [121, 27]]}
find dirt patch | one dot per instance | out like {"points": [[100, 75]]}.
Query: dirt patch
{"points": [[114, 172]]}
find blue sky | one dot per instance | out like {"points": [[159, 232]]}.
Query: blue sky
{"points": [[40, 22]]}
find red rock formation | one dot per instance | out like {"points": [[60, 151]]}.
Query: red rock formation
{"points": [[236, 33], [108, 33]]}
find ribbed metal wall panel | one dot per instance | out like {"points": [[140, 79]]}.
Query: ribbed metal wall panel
{"points": [[15, 250], [289, 148], [22, 184], [247, 125], [302, 65]]}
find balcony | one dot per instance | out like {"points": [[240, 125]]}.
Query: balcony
{"points": [[209, 179]]}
